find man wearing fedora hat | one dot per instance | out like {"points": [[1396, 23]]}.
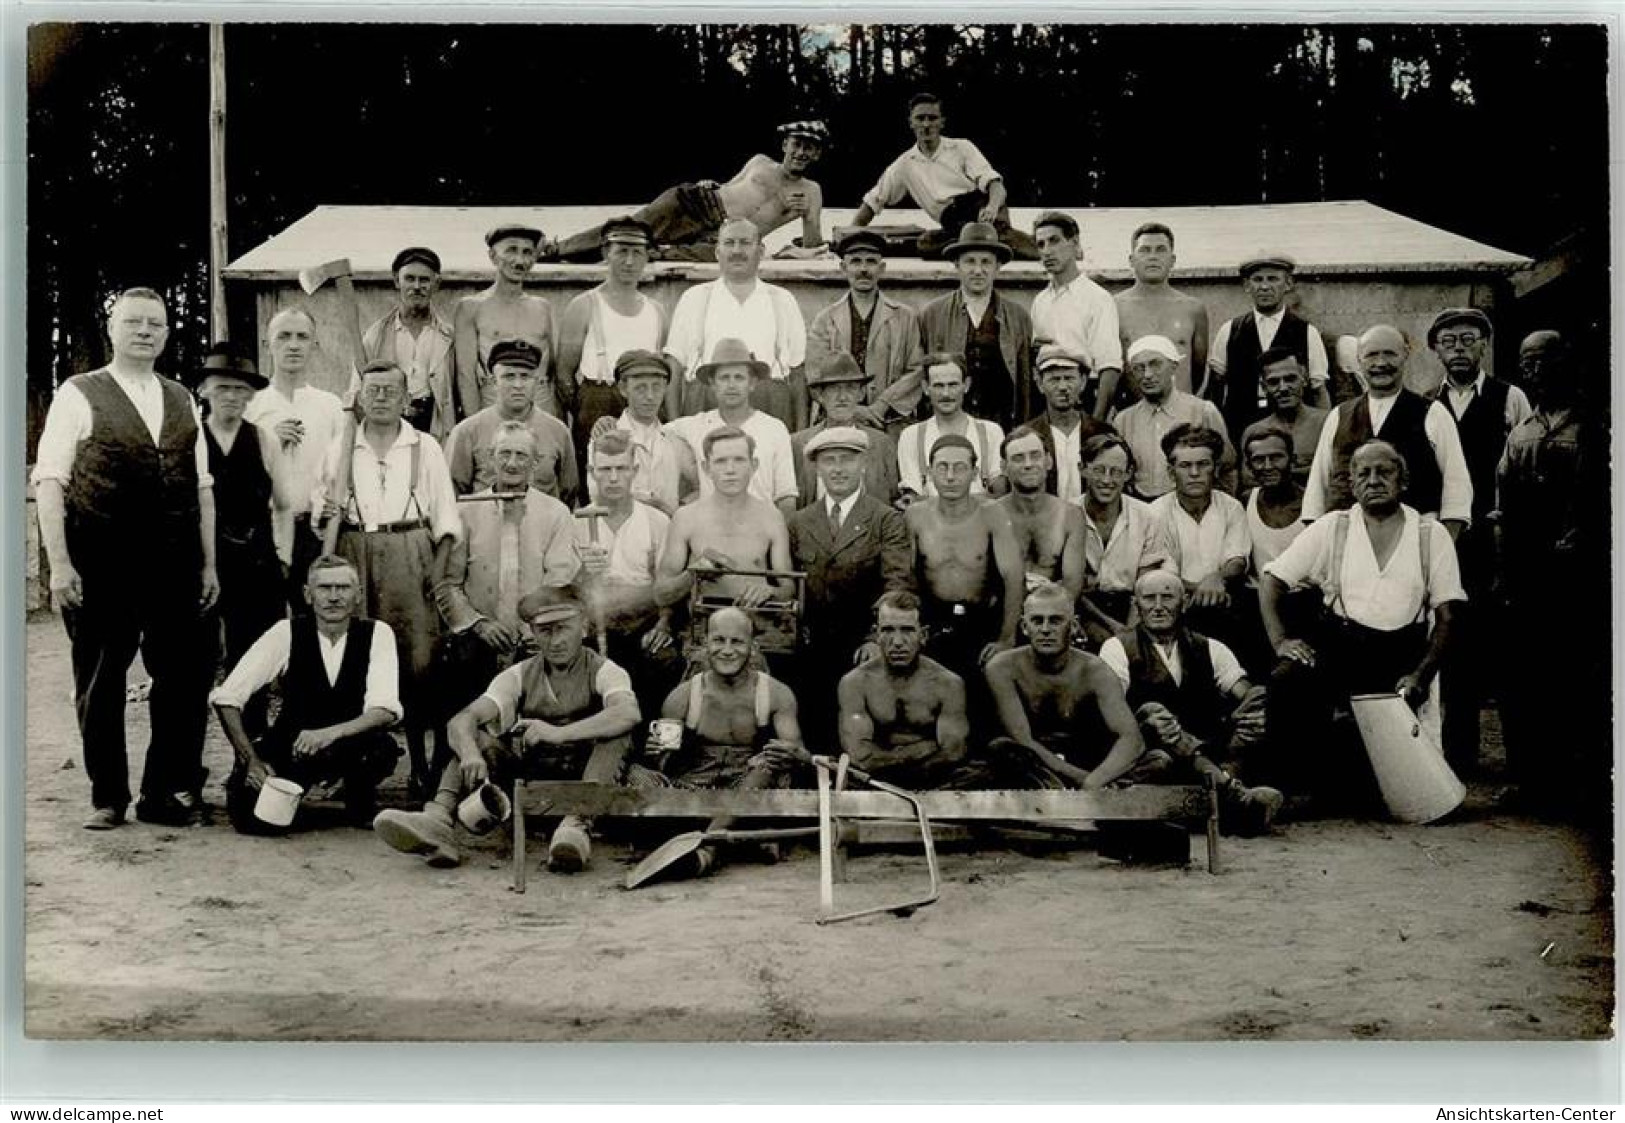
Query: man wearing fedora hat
{"points": [[514, 364], [251, 480], [731, 375], [949, 179], [852, 545], [1235, 377], [565, 713], [602, 324], [503, 312], [995, 335], [126, 511], [665, 471], [1486, 410], [882, 335], [417, 338], [838, 387], [1075, 313], [768, 193], [739, 306]]}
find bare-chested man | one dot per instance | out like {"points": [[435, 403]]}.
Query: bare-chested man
{"points": [[971, 576], [766, 192], [727, 529], [1049, 533], [1065, 720], [903, 715], [503, 311], [1151, 306]]}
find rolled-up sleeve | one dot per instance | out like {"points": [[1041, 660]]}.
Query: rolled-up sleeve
{"points": [[260, 665], [888, 190], [1105, 342], [976, 167], [1314, 492], [1306, 561], [434, 481], [66, 424], [613, 680], [383, 672], [792, 333], [1456, 499]]}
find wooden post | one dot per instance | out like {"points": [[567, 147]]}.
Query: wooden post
{"points": [[218, 329]]}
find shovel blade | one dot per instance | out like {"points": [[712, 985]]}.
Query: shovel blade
{"points": [[667, 854]]}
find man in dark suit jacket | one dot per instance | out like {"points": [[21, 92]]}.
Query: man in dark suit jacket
{"points": [[853, 547], [1060, 381], [838, 387]]}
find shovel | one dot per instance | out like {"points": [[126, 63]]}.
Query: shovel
{"points": [[674, 850]]}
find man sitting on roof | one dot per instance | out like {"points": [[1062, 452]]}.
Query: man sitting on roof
{"points": [[767, 192]]}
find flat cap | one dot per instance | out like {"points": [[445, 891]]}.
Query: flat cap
{"points": [[1459, 316], [811, 129], [860, 238], [550, 603], [628, 230], [635, 362], [518, 352], [838, 436], [1052, 355], [1266, 259], [423, 255], [512, 230]]}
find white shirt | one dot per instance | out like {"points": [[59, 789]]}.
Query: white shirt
{"points": [[1144, 424], [775, 476], [267, 660], [656, 468], [1267, 327], [507, 690], [956, 168], [380, 490], [70, 420], [1269, 542], [1138, 543], [323, 417], [914, 451], [1200, 548], [1462, 397], [1081, 317], [1226, 668], [610, 335], [768, 320], [1068, 472], [839, 512], [634, 550], [1456, 498], [1385, 598]]}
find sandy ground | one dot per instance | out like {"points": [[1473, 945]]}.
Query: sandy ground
{"points": [[1329, 930]]}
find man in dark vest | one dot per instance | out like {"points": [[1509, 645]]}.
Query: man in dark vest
{"points": [[1064, 426], [1486, 410], [994, 333], [1422, 431], [340, 694], [126, 510], [1193, 702], [565, 713], [1234, 371]]}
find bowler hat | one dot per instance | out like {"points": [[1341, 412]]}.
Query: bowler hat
{"points": [[636, 362], [1458, 316], [839, 367], [860, 238], [837, 436], [517, 352], [1264, 259], [421, 254], [977, 236], [512, 230], [228, 360], [731, 353]]}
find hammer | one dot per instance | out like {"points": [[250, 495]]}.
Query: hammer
{"points": [[592, 513]]}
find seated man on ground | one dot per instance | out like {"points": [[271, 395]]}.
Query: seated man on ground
{"points": [[1193, 702], [340, 695], [565, 713], [1063, 718]]}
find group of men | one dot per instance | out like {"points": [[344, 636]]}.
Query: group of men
{"points": [[1077, 546]]}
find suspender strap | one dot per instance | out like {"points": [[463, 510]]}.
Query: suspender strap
{"points": [[764, 699], [1340, 541], [696, 697]]}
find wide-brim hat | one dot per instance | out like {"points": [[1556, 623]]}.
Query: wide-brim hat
{"points": [[977, 236], [839, 367], [730, 353], [224, 359], [1459, 316], [1266, 258]]}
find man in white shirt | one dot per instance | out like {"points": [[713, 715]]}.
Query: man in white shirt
{"points": [[1383, 572], [738, 305], [947, 178], [1075, 313], [1233, 360], [392, 494], [307, 422], [1162, 408], [340, 694], [731, 375], [126, 512], [665, 471], [945, 386]]}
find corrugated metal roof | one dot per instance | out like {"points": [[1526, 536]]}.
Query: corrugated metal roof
{"points": [[1325, 238]]}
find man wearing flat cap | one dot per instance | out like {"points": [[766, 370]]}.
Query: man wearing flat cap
{"points": [[1234, 378], [602, 324], [417, 338], [504, 312], [1486, 410], [882, 335], [838, 387], [767, 193], [514, 365], [665, 470], [994, 334], [565, 713], [1064, 425], [853, 546]]}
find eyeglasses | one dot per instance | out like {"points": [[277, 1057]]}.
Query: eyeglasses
{"points": [[1465, 339], [384, 392], [1099, 472]]}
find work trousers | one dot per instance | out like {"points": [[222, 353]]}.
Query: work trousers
{"points": [[362, 762], [1474, 652], [686, 216], [964, 209]]}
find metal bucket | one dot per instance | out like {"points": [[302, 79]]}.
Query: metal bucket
{"points": [[1417, 785]]}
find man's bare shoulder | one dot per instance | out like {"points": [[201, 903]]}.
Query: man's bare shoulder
{"points": [[996, 517], [1009, 664], [935, 675]]}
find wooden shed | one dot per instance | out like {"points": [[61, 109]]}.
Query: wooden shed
{"points": [[1358, 264]]}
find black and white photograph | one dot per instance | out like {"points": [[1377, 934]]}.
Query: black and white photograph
{"points": [[875, 532]]}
